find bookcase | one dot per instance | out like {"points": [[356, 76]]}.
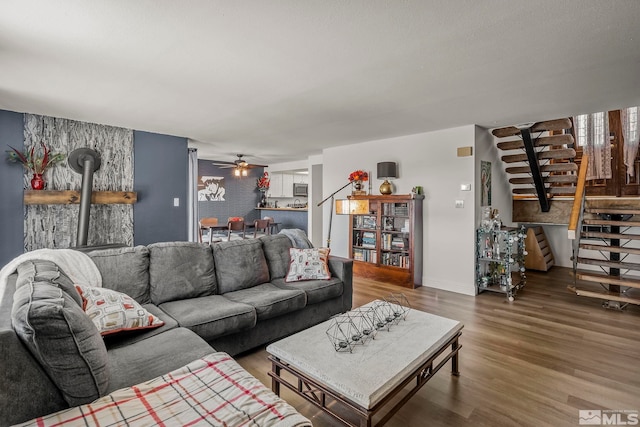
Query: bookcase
{"points": [[386, 243]]}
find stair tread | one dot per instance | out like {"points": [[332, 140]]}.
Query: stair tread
{"points": [[607, 248], [595, 221], [613, 211], [592, 276], [550, 179], [563, 153], [599, 235], [558, 124], [550, 190], [608, 263], [555, 167], [604, 295], [563, 139]]}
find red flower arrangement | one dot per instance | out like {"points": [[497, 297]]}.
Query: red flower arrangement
{"points": [[358, 175], [264, 182]]}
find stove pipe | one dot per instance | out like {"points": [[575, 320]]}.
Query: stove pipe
{"points": [[85, 161]]}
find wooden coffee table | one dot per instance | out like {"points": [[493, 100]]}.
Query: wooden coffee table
{"points": [[354, 386]]}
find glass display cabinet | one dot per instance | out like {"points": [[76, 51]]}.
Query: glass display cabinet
{"points": [[500, 260]]}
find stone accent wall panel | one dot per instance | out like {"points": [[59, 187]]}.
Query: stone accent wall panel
{"points": [[55, 226]]}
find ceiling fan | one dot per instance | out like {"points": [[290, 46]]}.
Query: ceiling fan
{"points": [[240, 165]]}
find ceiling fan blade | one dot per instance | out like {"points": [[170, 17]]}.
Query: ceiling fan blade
{"points": [[239, 163]]}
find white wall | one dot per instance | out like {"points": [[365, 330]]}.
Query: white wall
{"points": [[486, 150], [427, 159], [560, 244], [314, 211], [288, 166]]}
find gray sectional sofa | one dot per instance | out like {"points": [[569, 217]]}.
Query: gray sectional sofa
{"points": [[231, 296]]}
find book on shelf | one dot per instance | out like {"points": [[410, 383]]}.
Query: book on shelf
{"points": [[368, 239], [395, 209], [396, 260], [364, 221], [365, 255]]}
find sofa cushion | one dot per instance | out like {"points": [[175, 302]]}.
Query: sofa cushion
{"points": [[316, 290], [112, 311], [180, 270], [240, 264], [270, 300], [49, 320], [125, 270], [276, 251], [139, 362], [308, 264], [212, 316]]}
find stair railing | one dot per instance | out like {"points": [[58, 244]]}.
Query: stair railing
{"points": [[577, 210]]}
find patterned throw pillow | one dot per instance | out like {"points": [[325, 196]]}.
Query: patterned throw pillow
{"points": [[112, 311], [308, 264]]}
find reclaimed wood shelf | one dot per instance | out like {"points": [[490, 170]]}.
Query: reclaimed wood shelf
{"points": [[71, 197]]}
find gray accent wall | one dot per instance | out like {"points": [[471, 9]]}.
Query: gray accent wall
{"points": [[241, 193], [11, 194], [161, 174]]}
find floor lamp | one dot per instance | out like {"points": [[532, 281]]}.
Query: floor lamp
{"points": [[345, 207], [331, 211]]}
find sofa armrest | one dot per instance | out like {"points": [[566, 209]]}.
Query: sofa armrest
{"points": [[342, 268], [26, 391]]}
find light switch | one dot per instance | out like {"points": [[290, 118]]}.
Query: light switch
{"points": [[459, 203], [176, 201], [465, 187]]}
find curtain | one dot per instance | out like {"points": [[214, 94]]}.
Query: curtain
{"points": [[629, 117], [192, 196], [592, 133]]}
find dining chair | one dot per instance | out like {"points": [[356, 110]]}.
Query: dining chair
{"points": [[272, 223], [261, 227], [208, 224], [235, 225]]}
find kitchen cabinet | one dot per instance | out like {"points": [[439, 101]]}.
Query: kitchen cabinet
{"points": [[275, 185], [287, 185], [282, 183], [300, 178]]}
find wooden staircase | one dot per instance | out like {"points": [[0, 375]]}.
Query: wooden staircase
{"points": [[608, 241], [606, 233], [539, 255], [540, 160]]}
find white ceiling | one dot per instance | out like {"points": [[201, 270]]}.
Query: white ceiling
{"points": [[281, 80]]}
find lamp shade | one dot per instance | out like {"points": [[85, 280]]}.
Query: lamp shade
{"points": [[387, 170], [352, 207]]}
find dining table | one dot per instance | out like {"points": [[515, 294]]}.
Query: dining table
{"points": [[273, 228]]}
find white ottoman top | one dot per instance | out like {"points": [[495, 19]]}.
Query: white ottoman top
{"points": [[374, 369]]}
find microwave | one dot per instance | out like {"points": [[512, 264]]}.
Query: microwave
{"points": [[300, 190]]}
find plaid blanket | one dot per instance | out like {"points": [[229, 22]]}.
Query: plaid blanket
{"points": [[212, 391]]}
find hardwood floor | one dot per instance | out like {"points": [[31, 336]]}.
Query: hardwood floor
{"points": [[533, 362]]}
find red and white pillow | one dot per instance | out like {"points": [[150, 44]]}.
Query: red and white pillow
{"points": [[113, 311], [308, 264]]}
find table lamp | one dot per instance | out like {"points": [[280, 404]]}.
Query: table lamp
{"points": [[387, 170]]}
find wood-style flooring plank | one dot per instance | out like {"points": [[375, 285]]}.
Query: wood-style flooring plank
{"points": [[534, 362]]}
